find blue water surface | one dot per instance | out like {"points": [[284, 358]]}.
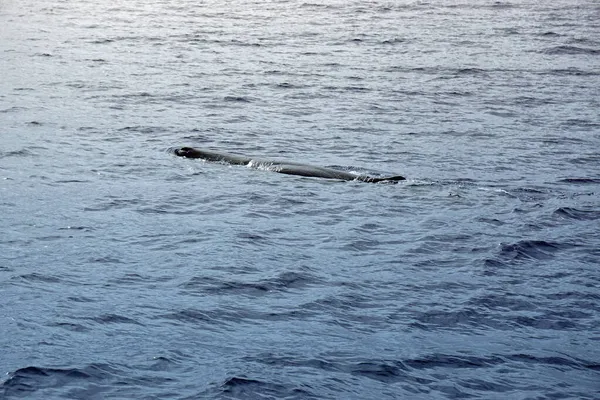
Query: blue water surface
{"points": [[127, 272]]}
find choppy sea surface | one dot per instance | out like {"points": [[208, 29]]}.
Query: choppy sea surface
{"points": [[127, 272]]}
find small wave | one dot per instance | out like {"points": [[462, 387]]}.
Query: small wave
{"points": [[355, 89], [467, 317], [17, 153], [531, 250], [236, 42], [580, 123], [580, 180], [574, 213], [502, 114], [194, 316], [584, 40], [550, 33], [237, 99], [102, 41], [317, 5], [114, 319], [362, 245], [502, 302], [470, 71], [72, 181], [554, 361], [546, 321], [130, 278], [247, 388], [586, 160], [388, 372], [80, 299], [451, 361], [105, 260], [71, 327], [287, 85], [115, 204], [424, 373], [525, 194], [253, 238], [446, 360], [394, 41], [141, 128], [25, 381], [235, 381], [35, 277], [12, 109], [529, 101], [285, 281], [569, 72], [502, 5], [76, 85], [570, 50]]}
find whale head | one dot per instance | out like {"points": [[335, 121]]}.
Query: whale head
{"points": [[185, 152]]}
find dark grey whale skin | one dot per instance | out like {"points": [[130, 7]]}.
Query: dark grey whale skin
{"points": [[282, 167]]}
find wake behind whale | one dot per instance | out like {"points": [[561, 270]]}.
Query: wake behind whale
{"points": [[282, 167]]}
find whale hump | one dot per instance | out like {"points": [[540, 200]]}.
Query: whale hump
{"points": [[385, 179]]}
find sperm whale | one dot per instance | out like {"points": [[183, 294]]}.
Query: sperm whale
{"points": [[282, 167]]}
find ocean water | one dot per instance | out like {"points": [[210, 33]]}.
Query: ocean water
{"points": [[127, 272]]}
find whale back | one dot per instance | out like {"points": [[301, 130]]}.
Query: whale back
{"points": [[209, 155], [312, 171], [282, 167], [390, 179]]}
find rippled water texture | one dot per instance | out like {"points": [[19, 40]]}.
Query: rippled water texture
{"points": [[127, 272]]}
